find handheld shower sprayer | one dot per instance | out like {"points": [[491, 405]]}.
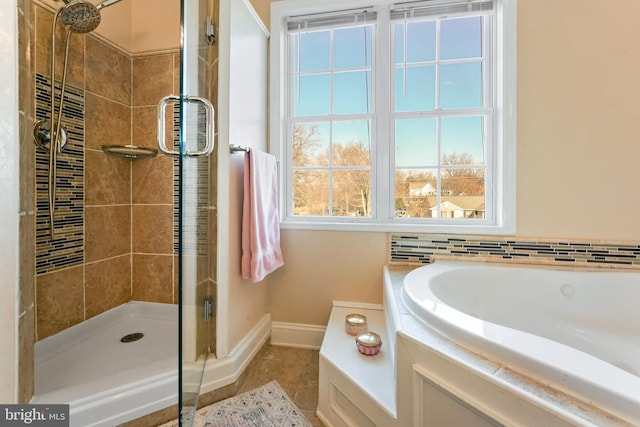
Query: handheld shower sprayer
{"points": [[78, 16]]}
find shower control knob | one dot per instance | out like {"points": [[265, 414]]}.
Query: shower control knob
{"points": [[42, 135]]}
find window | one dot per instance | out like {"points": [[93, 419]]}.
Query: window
{"points": [[395, 117], [330, 114]]}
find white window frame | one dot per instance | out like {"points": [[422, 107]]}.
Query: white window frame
{"points": [[501, 186]]}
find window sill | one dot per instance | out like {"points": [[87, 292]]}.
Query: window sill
{"points": [[397, 227]]}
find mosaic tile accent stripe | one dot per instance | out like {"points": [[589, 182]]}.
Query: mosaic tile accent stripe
{"points": [[421, 249], [176, 182], [195, 191], [66, 249]]}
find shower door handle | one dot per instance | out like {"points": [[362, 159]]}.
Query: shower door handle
{"points": [[162, 106], [209, 125]]}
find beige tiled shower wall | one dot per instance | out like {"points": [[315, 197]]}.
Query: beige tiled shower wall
{"points": [[128, 204], [153, 265]]}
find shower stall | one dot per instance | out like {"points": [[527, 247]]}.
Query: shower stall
{"points": [[111, 215], [136, 214]]}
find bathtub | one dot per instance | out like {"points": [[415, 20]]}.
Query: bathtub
{"points": [[105, 381], [578, 331]]}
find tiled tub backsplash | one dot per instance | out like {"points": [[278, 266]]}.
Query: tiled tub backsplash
{"points": [[422, 249]]}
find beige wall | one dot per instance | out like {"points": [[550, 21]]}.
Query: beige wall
{"points": [[157, 24], [262, 9], [578, 157], [578, 92], [321, 266]]}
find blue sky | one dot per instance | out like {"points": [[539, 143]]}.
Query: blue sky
{"points": [[459, 86]]}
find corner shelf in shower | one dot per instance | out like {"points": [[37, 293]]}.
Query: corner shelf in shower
{"points": [[129, 151]]}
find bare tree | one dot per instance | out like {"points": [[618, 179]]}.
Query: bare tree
{"points": [[305, 142], [462, 181], [354, 154], [308, 199], [350, 176]]}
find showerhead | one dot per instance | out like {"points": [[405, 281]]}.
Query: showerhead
{"points": [[80, 16]]}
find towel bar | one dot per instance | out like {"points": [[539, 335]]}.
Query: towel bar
{"points": [[238, 148]]}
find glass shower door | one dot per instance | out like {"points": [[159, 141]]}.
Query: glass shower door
{"points": [[191, 142], [197, 134]]}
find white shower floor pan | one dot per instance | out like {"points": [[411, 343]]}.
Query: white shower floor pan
{"points": [[105, 381]]}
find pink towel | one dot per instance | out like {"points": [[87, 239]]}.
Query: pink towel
{"points": [[261, 252]]}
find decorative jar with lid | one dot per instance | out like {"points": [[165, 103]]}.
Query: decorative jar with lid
{"points": [[368, 343], [355, 323]]}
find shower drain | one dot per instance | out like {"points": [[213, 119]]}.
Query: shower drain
{"points": [[132, 337]]}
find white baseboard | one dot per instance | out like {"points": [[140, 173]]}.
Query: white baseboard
{"points": [[226, 370], [297, 335]]}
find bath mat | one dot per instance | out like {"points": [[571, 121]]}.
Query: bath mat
{"points": [[266, 406]]}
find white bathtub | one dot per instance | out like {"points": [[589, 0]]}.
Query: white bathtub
{"points": [[578, 331], [107, 382]]}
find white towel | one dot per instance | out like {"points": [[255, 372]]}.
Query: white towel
{"points": [[261, 253]]}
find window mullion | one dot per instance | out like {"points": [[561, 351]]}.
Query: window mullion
{"points": [[438, 125], [443, 113], [289, 113], [437, 64], [383, 175], [330, 153], [439, 166], [493, 133], [489, 102]]}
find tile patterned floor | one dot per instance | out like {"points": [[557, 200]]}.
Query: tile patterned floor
{"points": [[296, 370]]}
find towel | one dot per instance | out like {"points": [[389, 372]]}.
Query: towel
{"points": [[261, 252]]}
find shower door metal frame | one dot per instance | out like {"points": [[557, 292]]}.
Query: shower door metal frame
{"points": [[196, 119]]}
